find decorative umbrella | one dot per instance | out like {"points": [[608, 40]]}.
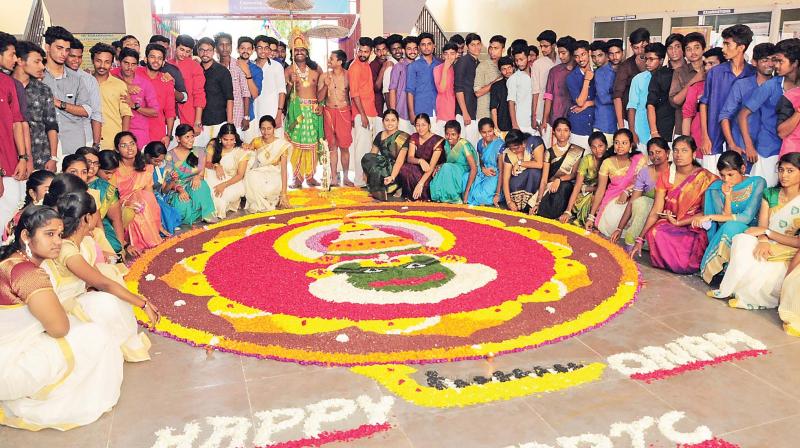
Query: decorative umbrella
{"points": [[291, 6], [328, 32]]}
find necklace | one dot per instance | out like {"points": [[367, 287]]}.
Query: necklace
{"points": [[302, 75]]}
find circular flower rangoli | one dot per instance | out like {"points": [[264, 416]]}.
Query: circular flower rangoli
{"points": [[381, 284]]}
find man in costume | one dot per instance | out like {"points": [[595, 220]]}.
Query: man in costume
{"points": [[304, 117]]}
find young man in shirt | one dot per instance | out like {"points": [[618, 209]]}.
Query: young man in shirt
{"points": [[466, 101], [605, 119], [580, 86], [376, 65], [660, 112], [487, 74], [362, 97], [281, 55], [398, 99], [272, 98], [41, 111], [394, 43], [113, 93], [337, 116], [741, 91], [443, 76], [13, 152], [8, 62], [556, 96], [191, 111], [533, 55], [143, 98], [72, 99], [240, 78], [498, 97], [540, 69], [180, 85], [687, 74], [719, 81], [218, 86], [74, 60], [420, 88], [245, 46], [632, 66], [162, 124], [654, 55], [520, 97], [765, 100]]}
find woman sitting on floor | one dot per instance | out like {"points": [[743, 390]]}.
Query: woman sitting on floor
{"points": [[186, 163], [453, 181], [163, 184], [672, 230], [559, 172], [424, 157], [141, 215], [486, 188], [580, 201], [523, 159], [226, 165], [383, 163], [76, 269], [760, 256], [731, 206], [616, 176], [41, 347], [644, 192], [35, 188], [107, 197], [265, 183]]}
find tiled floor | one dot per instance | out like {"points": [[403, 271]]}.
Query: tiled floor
{"points": [[754, 402], [750, 403]]}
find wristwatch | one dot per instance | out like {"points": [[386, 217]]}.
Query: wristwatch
{"points": [[62, 105], [22, 157], [136, 106]]}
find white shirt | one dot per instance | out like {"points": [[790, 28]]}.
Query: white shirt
{"points": [[273, 84], [539, 71], [387, 75], [519, 91]]}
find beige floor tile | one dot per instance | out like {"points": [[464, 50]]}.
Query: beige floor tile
{"points": [[92, 436], [779, 434]]}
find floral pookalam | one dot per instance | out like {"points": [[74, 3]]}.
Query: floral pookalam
{"points": [[365, 285]]}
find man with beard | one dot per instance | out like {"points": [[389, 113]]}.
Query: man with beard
{"points": [[181, 95], [690, 73], [93, 128], [71, 96], [661, 114], [13, 152], [8, 62], [219, 92], [245, 47], [487, 74], [41, 111], [142, 98], [376, 67], [281, 55], [580, 86], [337, 118], [420, 87], [113, 93], [161, 125], [303, 119], [556, 96], [272, 98], [632, 66], [397, 98], [223, 42], [365, 115], [605, 119], [191, 111], [395, 45]]}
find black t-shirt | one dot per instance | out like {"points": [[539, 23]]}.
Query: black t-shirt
{"points": [[658, 96], [464, 82], [498, 99], [219, 90]]}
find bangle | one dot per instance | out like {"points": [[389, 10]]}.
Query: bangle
{"points": [[639, 239], [767, 233], [145, 304], [590, 218], [619, 229]]}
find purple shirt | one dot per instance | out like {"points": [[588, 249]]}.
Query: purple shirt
{"points": [[719, 81], [557, 92], [644, 182], [397, 82]]}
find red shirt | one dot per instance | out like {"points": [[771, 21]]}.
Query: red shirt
{"points": [[9, 114], [165, 91], [361, 86], [195, 81], [375, 67], [446, 98]]}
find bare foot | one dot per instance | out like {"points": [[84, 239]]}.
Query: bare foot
{"points": [[348, 183], [311, 182], [297, 185]]}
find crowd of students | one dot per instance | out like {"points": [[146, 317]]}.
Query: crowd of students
{"points": [[688, 152]]}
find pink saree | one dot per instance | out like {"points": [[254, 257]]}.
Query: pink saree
{"points": [[141, 214], [618, 184], [674, 248]]}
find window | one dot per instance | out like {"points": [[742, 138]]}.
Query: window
{"points": [[790, 24], [620, 29]]}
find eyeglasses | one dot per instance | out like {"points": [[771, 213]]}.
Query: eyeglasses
{"points": [[91, 163], [127, 145]]}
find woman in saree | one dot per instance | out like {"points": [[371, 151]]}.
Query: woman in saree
{"points": [[141, 215], [185, 164], [486, 188], [580, 201], [559, 172], [76, 270], [265, 183], [673, 231], [55, 371], [731, 206], [523, 159], [760, 256], [35, 188], [107, 197], [644, 192], [385, 160], [615, 183], [163, 184], [423, 159], [226, 164], [789, 309], [453, 181]]}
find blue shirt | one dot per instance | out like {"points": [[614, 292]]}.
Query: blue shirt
{"points": [[741, 91], [582, 122], [420, 83], [637, 100], [258, 78], [605, 119], [719, 81], [765, 100]]}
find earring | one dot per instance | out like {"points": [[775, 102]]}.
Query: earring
{"points": [[28, 252]]}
